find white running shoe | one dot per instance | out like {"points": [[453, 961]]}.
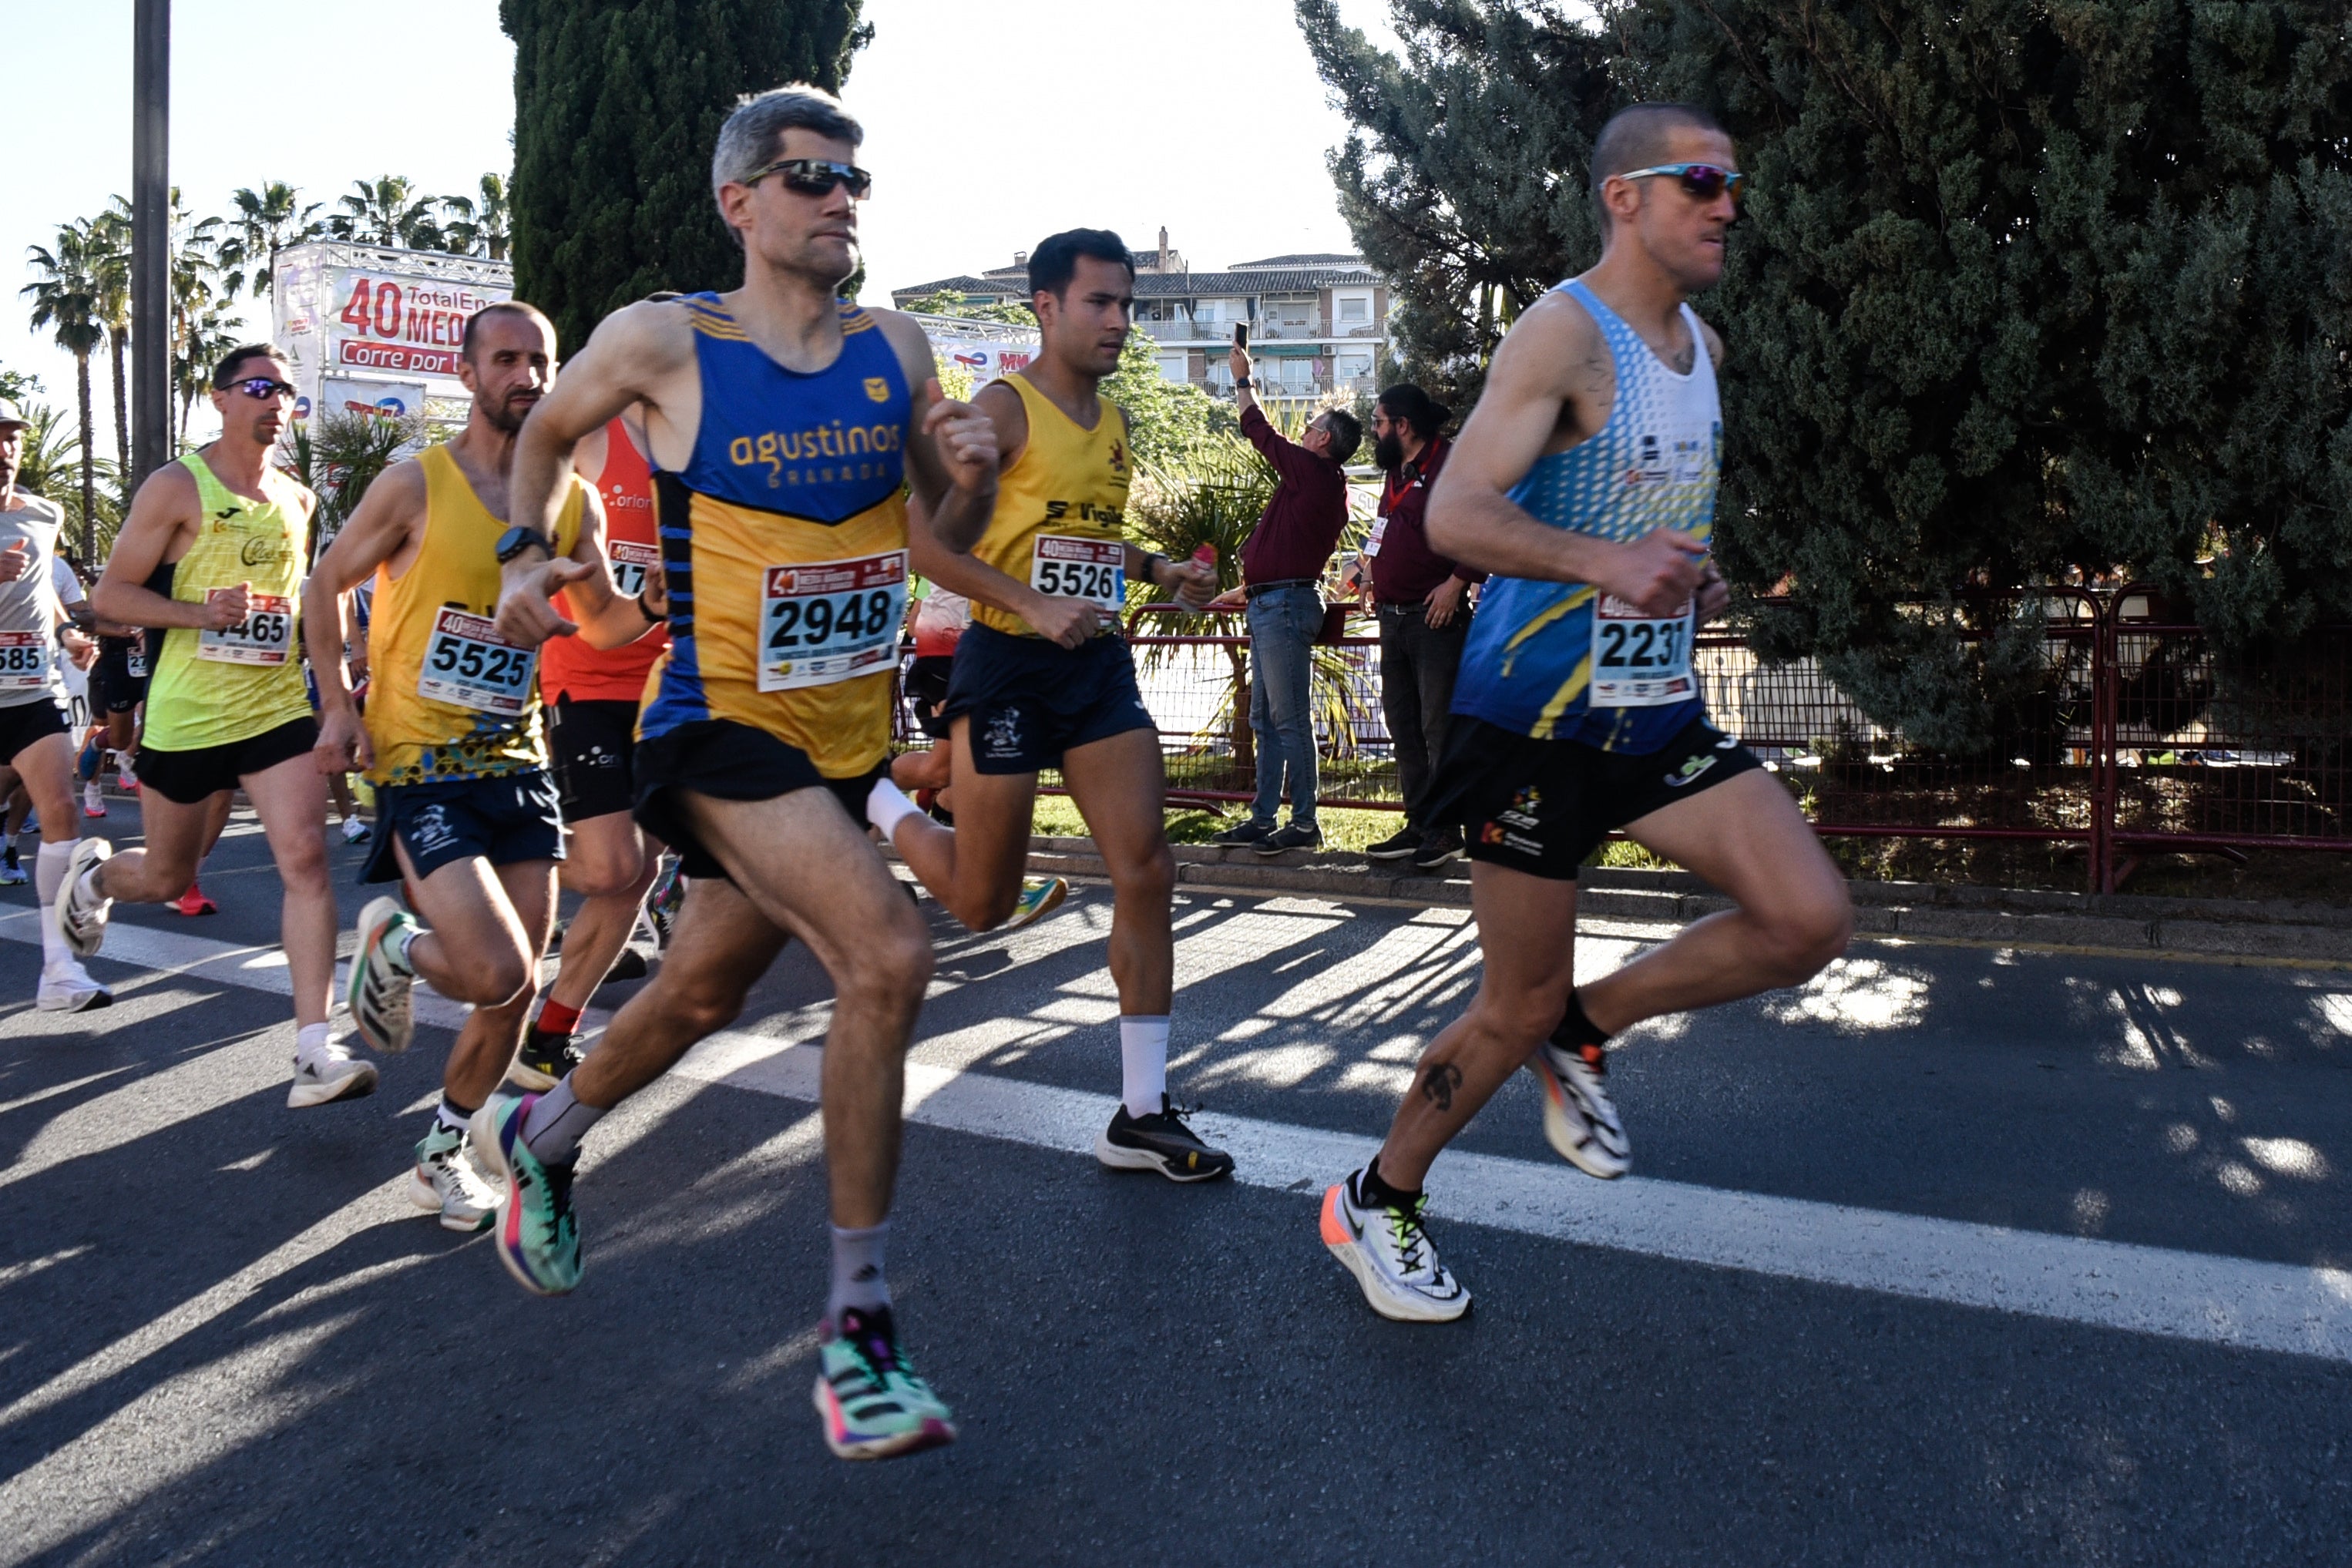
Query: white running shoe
{"points": [[1391, 1256], [355, 831], [446, 1183], [93, 803], [67, 987], [81, 910], [331, 1072], [383, 1009], [1579, 1121]]}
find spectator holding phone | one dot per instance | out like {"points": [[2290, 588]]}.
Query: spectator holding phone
{"points": [[1282, 565], [1422, 600]]}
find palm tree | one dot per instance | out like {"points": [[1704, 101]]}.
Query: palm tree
{"points": [[110, 230], [483, 229], [206, 333], [264, 223], [65, 299], [387, 211]]}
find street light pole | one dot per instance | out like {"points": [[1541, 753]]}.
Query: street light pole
{"points": [[151, 245]]}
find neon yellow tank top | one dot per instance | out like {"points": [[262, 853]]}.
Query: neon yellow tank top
{"points": [[1058, 523], [448, 698], [214, 688]]}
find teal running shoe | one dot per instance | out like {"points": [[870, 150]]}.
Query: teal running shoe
{"points": [[874, 1404], [539, 1240], [382, 1010], [1040, 896]]}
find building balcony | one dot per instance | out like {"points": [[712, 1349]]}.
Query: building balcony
{"points": [[1178, 331], [1270, 330]]}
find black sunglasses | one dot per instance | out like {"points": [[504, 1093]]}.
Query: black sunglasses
{"points": [[261, 387], [818, 176], [1700, 182]]}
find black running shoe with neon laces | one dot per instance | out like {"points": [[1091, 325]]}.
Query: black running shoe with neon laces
{"points": [[544, 1060], [1160, 1142]]}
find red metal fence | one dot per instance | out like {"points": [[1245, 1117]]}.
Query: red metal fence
{"points": [[2140, 736]]}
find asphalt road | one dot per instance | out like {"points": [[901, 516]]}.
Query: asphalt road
{"points": [[226, 1339]]}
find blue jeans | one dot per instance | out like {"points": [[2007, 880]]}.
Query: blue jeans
{"points": [[1282, 628]]}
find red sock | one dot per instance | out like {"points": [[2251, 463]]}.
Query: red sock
{"points": [[557, 1019]]}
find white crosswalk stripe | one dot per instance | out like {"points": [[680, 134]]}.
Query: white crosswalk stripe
{"points": [[2183, 1295]]}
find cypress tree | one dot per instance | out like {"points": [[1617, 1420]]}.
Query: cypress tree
{"points": [[1462, 180], [2026, 291], [617, 104]]}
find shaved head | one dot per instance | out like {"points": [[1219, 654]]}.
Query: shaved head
{"points": [[1639, 136]]}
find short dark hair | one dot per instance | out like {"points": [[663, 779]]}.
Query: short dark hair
{"points": [[503, 308], [1056, 260], [1347, 433], [1635, 137], [1417, 408], [225, 374]]}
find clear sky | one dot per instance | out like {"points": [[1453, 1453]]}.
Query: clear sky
{"points": [[988, 127]]}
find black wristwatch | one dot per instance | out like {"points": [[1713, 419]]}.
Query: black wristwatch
{"points": [[1242, 383], [1152, 561], [653, 617], [516, 539]]}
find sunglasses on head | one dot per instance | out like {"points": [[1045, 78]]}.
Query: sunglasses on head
{"points": [[1701, 182], [261, 387], [818, 176]]}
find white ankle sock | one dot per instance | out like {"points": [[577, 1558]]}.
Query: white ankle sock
{"points": [[50, 882], [857, 1278], [309, 1040], [887, 806], [1143, 1064]]}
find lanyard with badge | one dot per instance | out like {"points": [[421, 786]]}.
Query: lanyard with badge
{"points": [[831, 620]]}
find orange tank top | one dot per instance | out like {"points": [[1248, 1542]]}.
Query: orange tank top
{"points": [[568, 666]]}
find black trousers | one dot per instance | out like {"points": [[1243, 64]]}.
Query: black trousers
{"points": [[1418, 663]]}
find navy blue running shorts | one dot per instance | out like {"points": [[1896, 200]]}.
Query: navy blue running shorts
{"points": [[1031, 700], [506, 820]]}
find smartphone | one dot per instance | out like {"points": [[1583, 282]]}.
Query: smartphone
{"points": [[1241, 335]]}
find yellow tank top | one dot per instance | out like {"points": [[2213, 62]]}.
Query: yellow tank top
{"points": [[1058, 524], [448, 698], [214, 688]]}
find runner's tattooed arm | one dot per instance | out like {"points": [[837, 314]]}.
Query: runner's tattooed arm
{"points": [[1549, 388]]}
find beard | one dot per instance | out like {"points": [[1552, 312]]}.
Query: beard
{"points": [[1388, 452], [506, 417]]}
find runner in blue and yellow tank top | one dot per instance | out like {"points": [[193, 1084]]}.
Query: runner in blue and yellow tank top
{"points": [[1585, 483], [783, 424]]}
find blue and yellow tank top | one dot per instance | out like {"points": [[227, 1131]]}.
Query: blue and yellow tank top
{"points": [[784, 542], [1555, 660]]}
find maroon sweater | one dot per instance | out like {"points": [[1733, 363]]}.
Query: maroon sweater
{"points": [[1300, 527], [1406, 569]]}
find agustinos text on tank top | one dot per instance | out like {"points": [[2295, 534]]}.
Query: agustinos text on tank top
{"points": [[784, 543]]}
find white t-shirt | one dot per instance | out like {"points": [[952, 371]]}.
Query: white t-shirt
{"points": [[28, 606]]}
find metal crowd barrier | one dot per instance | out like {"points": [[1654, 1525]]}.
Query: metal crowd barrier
{"points": [[2138, 735]]}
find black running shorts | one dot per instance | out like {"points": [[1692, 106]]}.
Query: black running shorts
{"points": [[507, 820], [1031, 700], [590, 744], [728, 761], [118, 690], [1542, 806], [189, 777], [25, 723]]}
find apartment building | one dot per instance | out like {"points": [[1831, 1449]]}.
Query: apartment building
{"points": [[1318, 321]]}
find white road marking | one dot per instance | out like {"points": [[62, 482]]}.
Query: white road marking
{"points": [[2200, 1297]]}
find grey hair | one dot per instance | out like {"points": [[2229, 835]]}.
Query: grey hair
{"points": [[747, 143]]}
